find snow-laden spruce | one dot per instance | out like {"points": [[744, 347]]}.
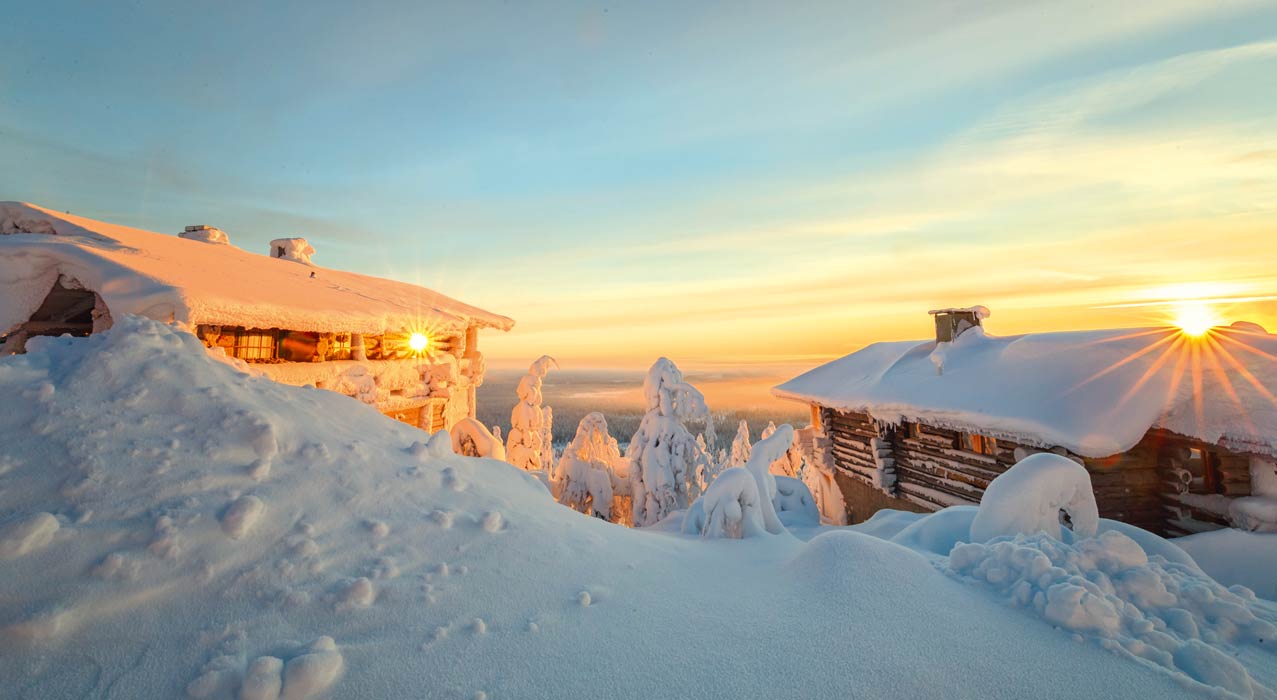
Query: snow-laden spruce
{"points": [[527, 444], [740, 445], [591, 473], [663, 452]]}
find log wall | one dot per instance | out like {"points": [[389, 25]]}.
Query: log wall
{"points": [[933, 468]]}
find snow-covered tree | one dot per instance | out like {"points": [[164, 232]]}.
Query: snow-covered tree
{"points": [[663, 453], [592, 473], [525, 445], [740, 445], [710, 435], [742, 501], [547, 438], [706, 468], [790, 464], [471, 439]]}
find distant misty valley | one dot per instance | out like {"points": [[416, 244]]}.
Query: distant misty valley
{"points": [[732, 395]]}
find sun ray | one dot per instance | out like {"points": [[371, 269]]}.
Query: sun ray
{"points": [[1123, 362], [1227, 383], [1253, 350], [1244, 372], [1167, 354], [1134, 334], [1199, 403]]}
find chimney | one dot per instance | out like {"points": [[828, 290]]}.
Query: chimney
{"points": [[205, 234], [951, 323], [295, 249]]}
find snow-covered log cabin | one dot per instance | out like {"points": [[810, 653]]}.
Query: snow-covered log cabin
{"points": [[410, 351], [1178, 432]]}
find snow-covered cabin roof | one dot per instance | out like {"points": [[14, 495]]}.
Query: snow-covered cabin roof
{"points": [[1095, 393], [168, 277]]}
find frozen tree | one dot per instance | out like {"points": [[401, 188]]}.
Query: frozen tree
{"points": [[525, 445], [591, 472], [740, 445], [663, 453], [742, 501], [706, 468], [791, 463], [471, 439], [547, 438]]}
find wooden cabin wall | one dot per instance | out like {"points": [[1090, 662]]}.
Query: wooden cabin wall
{"points": [[1190, 508], [929, 467]]}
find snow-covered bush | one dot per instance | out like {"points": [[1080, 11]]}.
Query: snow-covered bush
{"points": [[663, 453], [471, 439], [791, 463], [591, 473], [1031, 496], [525, 445], [732, 508], [794, 502]]}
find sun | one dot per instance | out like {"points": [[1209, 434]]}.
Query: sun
{"points": [[419, 342], [1195, 318]]}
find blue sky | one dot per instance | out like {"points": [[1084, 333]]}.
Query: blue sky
{"points": [[681, 178]]}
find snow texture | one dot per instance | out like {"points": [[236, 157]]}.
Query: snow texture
{"points": [[169, 278], [1095, 393], [144, 440], [1030, 497], [1233, 557]]}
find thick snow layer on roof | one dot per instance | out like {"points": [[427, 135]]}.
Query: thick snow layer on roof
{"points": [[171, 278], [171, 527], [1095, 393]]}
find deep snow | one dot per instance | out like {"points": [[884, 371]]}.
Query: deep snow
{"points": [[217, 533]]}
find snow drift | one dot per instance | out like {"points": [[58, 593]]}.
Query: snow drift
{"points": [[223, 536]]}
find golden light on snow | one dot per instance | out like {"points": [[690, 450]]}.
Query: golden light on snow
{"points": [[419, 342], [1195, 318]]}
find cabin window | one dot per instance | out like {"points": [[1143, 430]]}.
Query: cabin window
{"points": [[254, 344], [912, 431], [339, 347], [297, 346], [978, 444], [1204, 468]]}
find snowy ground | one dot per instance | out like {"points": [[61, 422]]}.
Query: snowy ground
{"points": [[171, 527]]}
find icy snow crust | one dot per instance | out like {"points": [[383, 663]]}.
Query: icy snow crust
{"points": [[1093, 392], [171, 278], [369, 561]]}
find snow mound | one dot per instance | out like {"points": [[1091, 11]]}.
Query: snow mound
{"points": [[1108, 588], [1237, 557], [1030, 497]]}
